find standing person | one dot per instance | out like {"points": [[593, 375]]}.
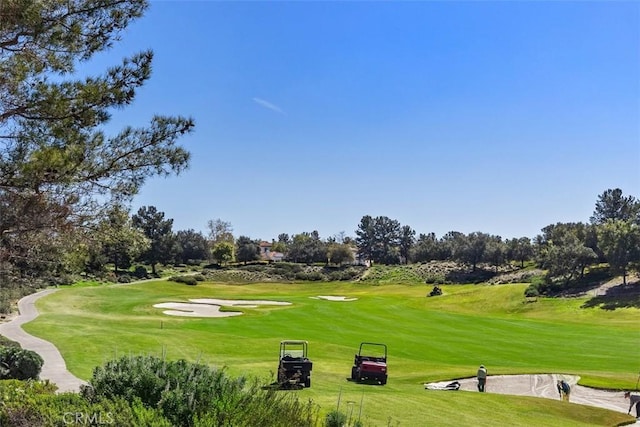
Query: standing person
{"points": [[634, 399], [482, 378], [564, 389]]}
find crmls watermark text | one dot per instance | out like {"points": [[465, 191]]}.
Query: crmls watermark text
{"points": [[84, 418]]}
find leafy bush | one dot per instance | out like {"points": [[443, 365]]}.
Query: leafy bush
{"points": [[5, 304], [287, 267], [191, 394], [4, 341], [313, 276], [35, 404], [140, 272], [62, 280], [124, 278], [335, 419], [531, 291], [187, 280], [20, 364], [434, 279]]}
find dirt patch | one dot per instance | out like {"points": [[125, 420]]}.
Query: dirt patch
{"points": [[615, 286]]}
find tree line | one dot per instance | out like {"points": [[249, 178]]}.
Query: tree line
{"points": [[66, 185], [565, 250]]}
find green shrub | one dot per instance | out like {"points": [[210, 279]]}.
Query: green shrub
{"points": [[335, 418], [63, 280], [140, 272], [187, 280], [434, 279], [313, 276], [35, 404], [4, 341], [124, 278], [5, 303], [531, 291], [190, 394], [20, 364], [335, 276]]}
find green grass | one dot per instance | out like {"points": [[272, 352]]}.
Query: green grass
{"points": [[429, 339]]}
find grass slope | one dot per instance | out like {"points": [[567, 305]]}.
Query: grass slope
{"points": [[428, 338]]}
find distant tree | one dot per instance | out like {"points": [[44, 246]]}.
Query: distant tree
{"points": [[406, 242], [561, 233], [620, 242], [220, 231], [121, 241], [519, 249], [452, 244], [307, 248], [378, 239], [192, 246], [282, 244], [279, 247], [366, 238], [341, 237], [223, 252], [388, 238], [571, 241], [567, 260], [612, 205], [247, 250], [163, 247], [495, 252], [284, 238], [426, 248], [471, 249], [340, 253]]}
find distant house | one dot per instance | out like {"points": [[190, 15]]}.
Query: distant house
{"points": [[267, 254]]}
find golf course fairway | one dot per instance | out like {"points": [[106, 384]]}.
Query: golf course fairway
{"points": [[429, 339]]}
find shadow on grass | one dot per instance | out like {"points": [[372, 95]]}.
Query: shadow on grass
{"points": [[365, 381], [620, 296]]}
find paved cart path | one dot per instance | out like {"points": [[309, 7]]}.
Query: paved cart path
{"points": [[54, 368]]}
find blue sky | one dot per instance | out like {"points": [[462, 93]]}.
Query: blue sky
{"points": [[499, 117]]}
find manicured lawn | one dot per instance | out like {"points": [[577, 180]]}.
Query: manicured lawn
{"points": [[429, 339]]}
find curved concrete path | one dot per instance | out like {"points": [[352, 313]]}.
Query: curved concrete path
{"points": [[54, 369]]}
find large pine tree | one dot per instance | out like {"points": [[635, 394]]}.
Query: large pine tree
{"points": [[58, 167]]}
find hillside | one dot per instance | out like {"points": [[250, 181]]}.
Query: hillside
{"points": [[433, 272]]}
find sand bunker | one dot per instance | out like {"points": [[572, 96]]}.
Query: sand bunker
{"points": [[237, 302], [334, 298], [209, 307], [543, 385]]}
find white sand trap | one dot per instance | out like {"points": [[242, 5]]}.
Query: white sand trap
{"points": [[237, 302], [335, 298], [194, 310], [208, 307], [544, 385]]}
